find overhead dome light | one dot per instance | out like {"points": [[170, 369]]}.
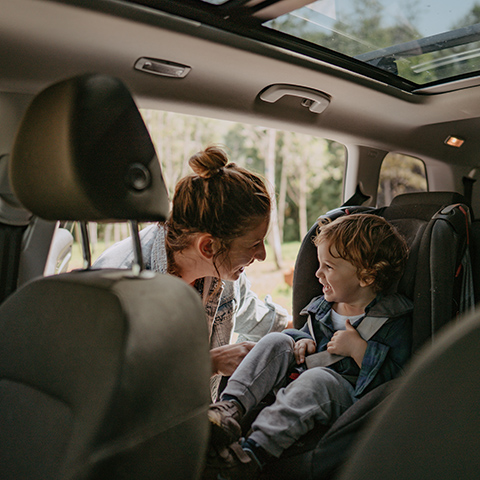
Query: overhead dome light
{"points": [[454, 141]]}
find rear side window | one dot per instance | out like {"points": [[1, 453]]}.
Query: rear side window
{"points": [[305, 174], [400, 174]]}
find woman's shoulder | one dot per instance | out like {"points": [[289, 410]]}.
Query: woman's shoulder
{"points": [[120, 255]]}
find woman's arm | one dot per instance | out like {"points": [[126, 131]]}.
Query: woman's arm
{"points": [[255, 318]]}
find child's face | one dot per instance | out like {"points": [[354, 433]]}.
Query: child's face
{"points": [[338, 277]]}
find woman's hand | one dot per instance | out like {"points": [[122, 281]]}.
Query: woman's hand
{"points": [[302, 348], [348, 343], [227, 358]]}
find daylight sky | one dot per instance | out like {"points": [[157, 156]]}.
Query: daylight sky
{"points": [[434, 16]]}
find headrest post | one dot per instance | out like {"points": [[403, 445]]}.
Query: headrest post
{"points": [[87, 256], [138, 265]]}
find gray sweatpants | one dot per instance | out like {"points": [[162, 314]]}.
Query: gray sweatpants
{"points": [[317, 395]]}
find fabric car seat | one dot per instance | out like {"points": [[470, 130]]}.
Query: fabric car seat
{"points": [[104, 374], [436, 226], [429, 427], [14, 220]]}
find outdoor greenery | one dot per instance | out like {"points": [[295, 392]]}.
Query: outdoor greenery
{"points": [[305, 172], [371, 25]]}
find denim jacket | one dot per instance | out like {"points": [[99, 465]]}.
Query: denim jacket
{"points": [[388, 350]]}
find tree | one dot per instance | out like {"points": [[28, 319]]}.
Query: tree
{"points": [[400, 174]]}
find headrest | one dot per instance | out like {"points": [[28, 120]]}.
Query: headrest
{"points": [[429, 198], [83, 152]]}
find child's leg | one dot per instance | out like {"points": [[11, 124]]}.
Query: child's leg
{"points": [[318, 395], [264, 368]]}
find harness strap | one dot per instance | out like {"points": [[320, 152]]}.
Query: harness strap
{"points": [[367, 329]]}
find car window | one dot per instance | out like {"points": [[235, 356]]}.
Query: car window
{"points": [[400, 174], [305, 172]]}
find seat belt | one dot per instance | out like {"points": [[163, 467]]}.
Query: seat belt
{"points": [[468, 189], [358, 198], [367, 329]]}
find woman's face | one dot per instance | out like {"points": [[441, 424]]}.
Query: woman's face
{"points": [[243, 251]]}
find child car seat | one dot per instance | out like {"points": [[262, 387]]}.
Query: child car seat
{"points": [[436, 226]]}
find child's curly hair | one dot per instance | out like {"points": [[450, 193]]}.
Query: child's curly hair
{"points": [[368, 242]]}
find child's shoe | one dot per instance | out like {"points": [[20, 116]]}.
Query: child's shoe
{"points": [[225, 418], [231, 463]]}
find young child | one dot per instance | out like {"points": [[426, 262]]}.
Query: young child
{"points": [[361, 258]]}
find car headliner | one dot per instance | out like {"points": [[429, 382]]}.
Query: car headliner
{"points": [[44, 41]]}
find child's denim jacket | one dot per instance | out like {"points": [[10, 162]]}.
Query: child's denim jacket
{"points": [[388, 350]]}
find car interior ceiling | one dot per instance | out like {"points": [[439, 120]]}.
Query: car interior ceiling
{"points": [[43, 52], [358, 111]]}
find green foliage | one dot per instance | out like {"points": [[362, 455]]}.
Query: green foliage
{"points": [[308, 171], [400, 174], [362, 26]]}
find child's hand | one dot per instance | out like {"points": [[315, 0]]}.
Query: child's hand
{"points": [[348, 343], [303, 347]]}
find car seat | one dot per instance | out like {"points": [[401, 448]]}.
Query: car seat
{"points": [[429, 427], [14, 220], [29, 246], [436, 226], [104, 374]]}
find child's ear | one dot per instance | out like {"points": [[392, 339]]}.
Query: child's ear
{"points": [[367, 281]]}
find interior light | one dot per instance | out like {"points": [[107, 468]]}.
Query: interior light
{"points": [[454, 141]]}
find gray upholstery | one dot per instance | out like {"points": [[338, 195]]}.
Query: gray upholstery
{"points": [[429, 428], [97, 382], [438, 239], [103, 374], [428, 198], [86, 141]]}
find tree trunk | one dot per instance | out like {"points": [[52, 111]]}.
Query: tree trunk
{"points": [[274, 234], [302, 200]]}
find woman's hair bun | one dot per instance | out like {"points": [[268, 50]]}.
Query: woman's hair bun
{"points": [[209, 162]]}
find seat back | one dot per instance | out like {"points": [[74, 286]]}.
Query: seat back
{"points": [[436, 226], [104, 374], [14, 220], [428, 428]]}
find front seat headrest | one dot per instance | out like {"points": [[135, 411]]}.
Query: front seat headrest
{"points": [[83, 152], [429, 198]]}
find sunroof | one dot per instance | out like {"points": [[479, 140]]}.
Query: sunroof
{"points": [[422, 41], [418, 42]]}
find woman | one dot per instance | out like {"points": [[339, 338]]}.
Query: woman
{"points": [[219, 219]]}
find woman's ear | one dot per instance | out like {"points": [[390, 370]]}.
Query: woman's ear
{"points": [[205, 245]]}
